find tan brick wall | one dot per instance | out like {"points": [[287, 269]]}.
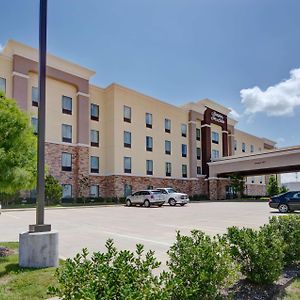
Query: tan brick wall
{"points": [[255, 190]]}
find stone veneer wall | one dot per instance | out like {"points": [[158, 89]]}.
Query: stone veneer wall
{"points": [[255, 190]]}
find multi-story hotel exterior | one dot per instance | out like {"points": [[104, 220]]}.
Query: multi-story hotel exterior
{"points": [[111, 141]]}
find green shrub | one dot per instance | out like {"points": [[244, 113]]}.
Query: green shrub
{"points": [[111, 275], [198, 197], [200, 266], [289, 230], [259, 252]]}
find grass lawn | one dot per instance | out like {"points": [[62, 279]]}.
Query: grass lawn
{"points": [[293, 291], [22, 283]]}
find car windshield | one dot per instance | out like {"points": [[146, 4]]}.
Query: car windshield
{"points": [[171, 190]]}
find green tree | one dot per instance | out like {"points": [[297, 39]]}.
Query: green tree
{"points": [[273, 187], [283, 189], [238, 184], [53, 190], [18, 148]]}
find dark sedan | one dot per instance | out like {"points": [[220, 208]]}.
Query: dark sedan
{"points": [[286, 202]]}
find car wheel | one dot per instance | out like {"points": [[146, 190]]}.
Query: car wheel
{"points": [[147, 203], [283, 208], [128, 202], [172, 202], [182, 204]]}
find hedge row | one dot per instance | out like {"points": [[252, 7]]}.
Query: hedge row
{"points": [[200, 266]]}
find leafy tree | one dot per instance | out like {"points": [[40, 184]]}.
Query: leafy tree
{"points": [[283, 189], [238, 184], [53, 190], [18, 148], [273, 187]]}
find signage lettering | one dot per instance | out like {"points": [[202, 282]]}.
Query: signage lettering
{"points": [[217, 117]]}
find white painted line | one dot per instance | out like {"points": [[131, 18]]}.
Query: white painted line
{"points": [[10, 216]]}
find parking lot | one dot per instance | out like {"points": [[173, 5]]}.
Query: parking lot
{"points": [[153, 227]]}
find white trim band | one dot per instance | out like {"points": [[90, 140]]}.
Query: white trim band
{"points": [[20, 75], [83, 94]]}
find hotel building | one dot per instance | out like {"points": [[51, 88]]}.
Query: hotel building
{"points": [[114, 140]]}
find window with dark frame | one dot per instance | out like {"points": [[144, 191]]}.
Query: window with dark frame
{"points": [[127, 114], [198, 153], [34, 124], [35, 96], [66, 133], [94, 112], [168, 125], [243, 147], [66, 162], [168, 169], [66, 103], [215, 154], [94, 164], [67, 191], [149, 143], [198, 170], [183, 130], [235, 145], [168, 147], [127, 190], [183, 150], [127, 139], [215, 137], [184, 171], [198, 134], [94, 138], [3, 85], [148, 120], [149, 167], [127, 165], [252, 148]]}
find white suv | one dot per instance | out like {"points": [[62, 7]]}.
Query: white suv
{"points": [[145, 198], [172, 197]]}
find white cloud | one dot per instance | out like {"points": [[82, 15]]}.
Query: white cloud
{"points": [[234, 114], [278, 100], [1, 47]]}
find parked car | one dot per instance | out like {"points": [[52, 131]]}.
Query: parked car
{"points": [[145, 198], [286, 202], [172, 197]]}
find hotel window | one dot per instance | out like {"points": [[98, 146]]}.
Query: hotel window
{"points": [[215, 137], [66, 161], [235, 145], [198, 153], [127, 190], [167, 125], [198, 134], [94, 164], [94, 191], [35, 96], [198, 170], [149, 167], [243, 147], [94, 112], [168, 169], [167, 147], [3, 85], [34, 124], [127, 164], [259, 149], [252, 180], [148, 120], [67, 191], [183, 150], [184, 171], [251, 148], [66, 103], [127, 139], [127, 114], [260, 179], [215, 154], [66, 133], [183, 130], [94, 138], [149, 143]]}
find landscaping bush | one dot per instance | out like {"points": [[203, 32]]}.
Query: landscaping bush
{"points": [[198, 197], [260, 253], [200, 266], [289, 230], [111, 275]]}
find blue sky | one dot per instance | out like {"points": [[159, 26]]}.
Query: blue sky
{"points": [[182, 50]]}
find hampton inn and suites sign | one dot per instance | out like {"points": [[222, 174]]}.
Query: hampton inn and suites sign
{"points": [[217, 117]]}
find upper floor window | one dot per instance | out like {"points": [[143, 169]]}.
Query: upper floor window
{"points": [[215, 154], [66, 105], [168, 169], [183, 130], [235, 145], [94, 138], [148, 120], [243, 147], [94, 112], [198, 153], [3, 85], [127, 114], [94, 164], [167, 147], [127, 164], [149, 143], [35, 96], [184, 171], [149, 167], [183, 150], [66, 133], [127, 139], [67, 191], [215, 137], [198, 134], [167, 125], [198, 170], [94, 191], [66, 161], [34, 124], [251, 148]]}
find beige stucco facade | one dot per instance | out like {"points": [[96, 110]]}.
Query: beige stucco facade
{"points": [[18, 66]]}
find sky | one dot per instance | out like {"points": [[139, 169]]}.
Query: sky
{"points": [[244, 54]]}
